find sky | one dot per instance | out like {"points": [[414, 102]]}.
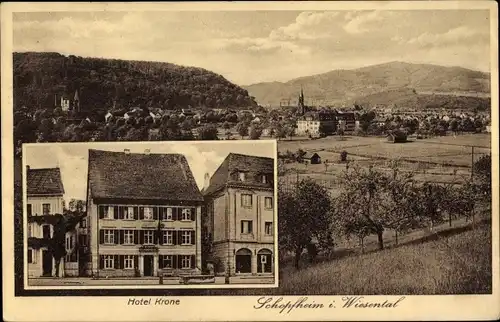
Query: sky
{"points": [[247, 47], [72, 158]]}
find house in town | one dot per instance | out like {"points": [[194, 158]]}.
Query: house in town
{"points": [[144, 212], [346, 121], [312, 158], [317, 123], [240, 207], [44, 204]]}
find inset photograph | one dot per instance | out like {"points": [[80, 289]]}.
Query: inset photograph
{"points": [[171, 214]]}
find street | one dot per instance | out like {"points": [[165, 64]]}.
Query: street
{"points": [[87, 281]]}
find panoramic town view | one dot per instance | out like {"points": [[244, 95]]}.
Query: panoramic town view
{"points": [[383, 137]]}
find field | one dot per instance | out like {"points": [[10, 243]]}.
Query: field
{"points": [[440, 159], [452, 261]]}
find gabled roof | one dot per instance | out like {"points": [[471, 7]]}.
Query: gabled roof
{"points": [[141, 176], [44, 182], [234, 162], [309, 155]]}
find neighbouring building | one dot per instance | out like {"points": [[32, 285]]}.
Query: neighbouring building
{"points": [[346, 121], [44, 204], [144, 212], [239, 217]]}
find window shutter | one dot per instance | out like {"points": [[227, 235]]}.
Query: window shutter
{"points": [[117, 236], [193, 214], [141, 237], [136, 212], [175, 213], [250, 226], [122, 236], [117, 262], [155, 236], [136, 237], [136, 261], [155, 213], [160, 236], [122, 261], [174, 237], [242, 226], [141, 213], [193, 261], [101, 262], [101, 212], [179, 237], [193, 237], [101, 236], [174, 260]]}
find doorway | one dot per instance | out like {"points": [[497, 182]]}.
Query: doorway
{"points": [[148, 265], [264, 261], [46, 263], [243, 261]]}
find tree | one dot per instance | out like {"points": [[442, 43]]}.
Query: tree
{"points": [[304, 214], [208, 132], [226, 125], [482, 173], [242, 128], [57, 242], [76, 205], [255, 132]]}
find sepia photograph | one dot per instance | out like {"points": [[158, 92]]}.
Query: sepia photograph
{"points": [[335, 155], [150, 213]]}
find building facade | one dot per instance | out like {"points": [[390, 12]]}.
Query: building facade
{"points": [[240, 215], [317, 123], [44, 204], [144, 215]]}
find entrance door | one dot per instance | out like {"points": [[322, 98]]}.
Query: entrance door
{"points": [[264, 261], [148, 265], [46, 263], [243, 261]]}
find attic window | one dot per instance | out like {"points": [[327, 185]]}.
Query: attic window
{"points": [[263, 178], [241, 176]]}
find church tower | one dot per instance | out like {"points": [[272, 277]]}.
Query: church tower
{"points": [[301, 106], [76, 102]]}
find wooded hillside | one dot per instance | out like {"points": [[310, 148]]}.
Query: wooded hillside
{"points": [[38, 77]]}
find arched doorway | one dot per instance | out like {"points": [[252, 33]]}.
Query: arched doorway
{"points": [[243, 261], [265, 261]]}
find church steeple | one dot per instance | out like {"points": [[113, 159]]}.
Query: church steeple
{"points": [[301, 105], [76, 102]]}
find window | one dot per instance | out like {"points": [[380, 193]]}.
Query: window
{"points": [[106, 212], [264, 178], [82, 240], [83, 223], [128, 213], [30, 256], [246, 227], [268, 228], [128, 237], [241, 176], [166, 213], [186, 214], [109, 236], [148, 237], [46, 208], [268, 202], [186, 237], [167, 261], [148, 213], [168, 237], [246, 200], [109, 261], [46, 231], [69, 242], [185, 261], [29, 210], [128, 261]]}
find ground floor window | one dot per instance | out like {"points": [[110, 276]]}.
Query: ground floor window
{"points": [[264, 261], [128, 261], [166, 261], [109, 262], [243, 261], [71, 257], [185, 261]]}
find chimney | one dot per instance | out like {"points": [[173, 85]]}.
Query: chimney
{"points": [[127, 151], [206, 182], [147, 151]]}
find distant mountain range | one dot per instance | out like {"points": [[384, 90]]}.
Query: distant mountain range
{"points": [[381, 84]]}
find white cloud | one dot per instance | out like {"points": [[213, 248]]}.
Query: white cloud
{"points": [[307, 25], [451, 36], [361, 22]]}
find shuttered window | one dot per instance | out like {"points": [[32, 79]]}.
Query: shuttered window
{"points": [[186, 237], [168, 237], [109, 262], [128, 261], [109, 236], [185, 261], [128, 237]]}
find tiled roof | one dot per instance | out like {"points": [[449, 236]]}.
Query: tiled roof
{"points": [[253, 167], [141, 176], [44, 182], [309, 155]]}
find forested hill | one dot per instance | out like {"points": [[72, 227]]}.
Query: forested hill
{"points": [[38, 77]]}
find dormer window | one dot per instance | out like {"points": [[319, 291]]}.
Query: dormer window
{"points": [[241, 176], [263, 178]]}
